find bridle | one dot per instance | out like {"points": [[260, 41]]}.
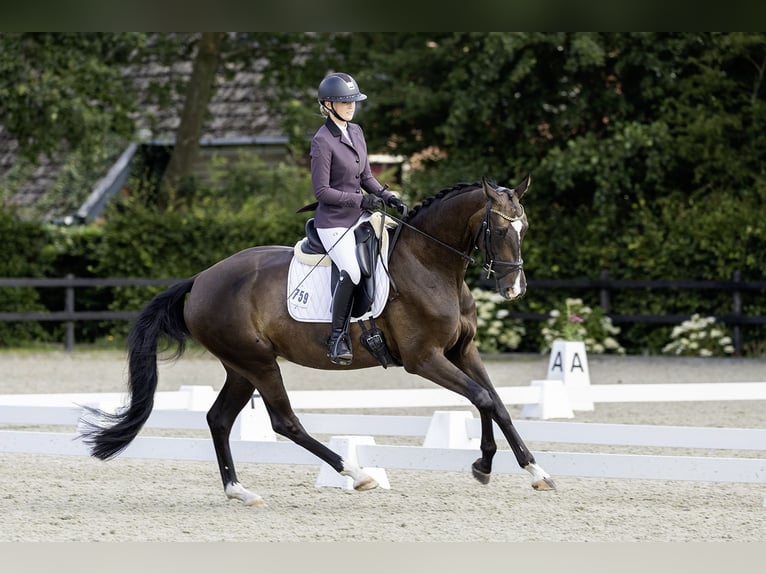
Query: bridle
{"points": [[490, 260]]}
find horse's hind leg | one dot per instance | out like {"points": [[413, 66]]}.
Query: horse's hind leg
{"points": [[237, 391], [234, 395], [285, 422]]}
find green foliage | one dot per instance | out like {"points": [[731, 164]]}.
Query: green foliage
{"points": [[646, 150], [619, 131], [250, 183], [65, 87], [246, 204], [25, 254]]}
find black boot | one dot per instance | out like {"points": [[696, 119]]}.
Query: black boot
{"points": [[339, 344]]}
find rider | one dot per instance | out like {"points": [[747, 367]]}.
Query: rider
{"points": [[340, 170]]}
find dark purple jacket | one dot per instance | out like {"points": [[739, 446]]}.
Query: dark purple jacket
{"points": [[339, 173]]}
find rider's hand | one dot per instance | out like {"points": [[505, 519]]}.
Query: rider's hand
{"points": [[397, 204], [371, 202]]}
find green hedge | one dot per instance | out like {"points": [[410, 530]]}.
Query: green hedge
{"points": [[248, 204], [26, 253]]}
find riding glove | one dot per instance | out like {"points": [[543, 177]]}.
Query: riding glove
{"points": [[397, 204], [371, 202]]}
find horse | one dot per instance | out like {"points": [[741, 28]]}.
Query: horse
{"points": [[237, 309]]}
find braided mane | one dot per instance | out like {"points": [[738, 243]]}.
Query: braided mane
{"points": [[454, 190]]}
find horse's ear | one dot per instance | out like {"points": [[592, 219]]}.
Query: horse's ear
{"points": [[523, 186], [489, 189]]}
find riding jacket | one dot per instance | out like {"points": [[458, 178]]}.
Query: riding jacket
{"points": [[339, 173]]}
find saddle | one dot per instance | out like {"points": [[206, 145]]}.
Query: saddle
{"points": [[369, 243]]}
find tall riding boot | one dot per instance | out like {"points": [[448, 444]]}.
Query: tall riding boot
{"points": [[339, 344]]}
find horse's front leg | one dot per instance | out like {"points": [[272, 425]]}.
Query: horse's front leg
{"points": [[437, 368], [470, 362]]}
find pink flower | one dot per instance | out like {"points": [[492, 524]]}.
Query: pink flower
{"points": [[572, 318]]}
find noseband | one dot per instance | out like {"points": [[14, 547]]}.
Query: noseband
{"points": [[490, 260]]}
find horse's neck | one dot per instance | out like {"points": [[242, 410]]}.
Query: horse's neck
{"points": [[448, 233]]}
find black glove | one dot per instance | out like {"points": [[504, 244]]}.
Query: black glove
{"points": [[397, 204], [371, 202]]}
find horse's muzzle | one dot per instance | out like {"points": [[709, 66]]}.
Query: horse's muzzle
{"points": [[513, 285]]}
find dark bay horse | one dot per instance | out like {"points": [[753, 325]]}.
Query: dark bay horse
{"points": [[238, 310]]}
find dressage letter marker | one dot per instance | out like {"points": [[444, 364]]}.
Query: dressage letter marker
{"points": [[569, 363]]}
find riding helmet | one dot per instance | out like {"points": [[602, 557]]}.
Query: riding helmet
{"points": [[339, 87]]}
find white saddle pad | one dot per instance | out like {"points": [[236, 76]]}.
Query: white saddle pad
{"points": [[309, 297]]}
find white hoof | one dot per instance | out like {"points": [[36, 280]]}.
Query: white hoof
{"points": [[367, 483], [541, 480], [362, 480], [236, 490]]}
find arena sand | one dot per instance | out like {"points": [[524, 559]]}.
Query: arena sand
{"points": [[55, 499]]}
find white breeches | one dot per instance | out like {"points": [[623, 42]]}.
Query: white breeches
{"points": [[340, 244]]}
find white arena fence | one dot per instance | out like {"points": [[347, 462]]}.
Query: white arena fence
{"points": [[450, 438]]}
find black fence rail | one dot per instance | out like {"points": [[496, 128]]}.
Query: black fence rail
{"points": [[604, 285], [70, 314]]}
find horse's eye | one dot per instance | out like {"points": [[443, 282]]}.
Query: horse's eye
{"points": [[501, 231]]}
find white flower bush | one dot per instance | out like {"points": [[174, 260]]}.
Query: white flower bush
{"points": [[495, 332], [579, 322], [699, 337]]}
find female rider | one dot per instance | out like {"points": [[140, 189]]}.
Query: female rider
{"points": [[340, 170]]}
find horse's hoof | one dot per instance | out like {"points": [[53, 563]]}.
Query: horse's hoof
{"points": [[237, 491], [367, 483], [544, 484], [482, 477]]}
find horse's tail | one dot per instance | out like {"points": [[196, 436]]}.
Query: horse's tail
{"points": [[109, 434]]}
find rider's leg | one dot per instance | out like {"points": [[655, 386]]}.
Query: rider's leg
{"points": [[339, 344], [341, 246]]}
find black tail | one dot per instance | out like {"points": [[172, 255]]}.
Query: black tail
{"points": [[109, 434]]}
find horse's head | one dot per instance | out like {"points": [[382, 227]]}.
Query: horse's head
{"points": [[503, 230]]}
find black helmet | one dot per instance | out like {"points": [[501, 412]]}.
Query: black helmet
{"points": [[339, 87]]}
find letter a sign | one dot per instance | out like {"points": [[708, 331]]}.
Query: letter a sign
{"points": [[569, 363]]}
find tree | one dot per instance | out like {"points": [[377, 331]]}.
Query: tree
{"points": [[65, 89], [197, 97]]}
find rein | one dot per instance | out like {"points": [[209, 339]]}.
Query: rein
{"points": [[432, 238]]}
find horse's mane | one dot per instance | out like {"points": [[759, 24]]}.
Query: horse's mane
{"points": [[449, 191]]}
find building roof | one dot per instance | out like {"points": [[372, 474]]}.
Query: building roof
{"points": [[37, 178], [237, 107]]}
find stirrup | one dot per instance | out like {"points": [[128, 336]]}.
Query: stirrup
{"points": [[339, 351]]}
